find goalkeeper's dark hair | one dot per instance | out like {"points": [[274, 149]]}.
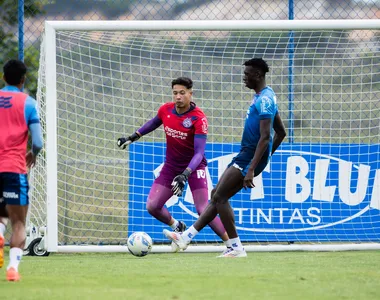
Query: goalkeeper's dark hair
{"points": [[14, 70], [258, 63], [185, 81]]}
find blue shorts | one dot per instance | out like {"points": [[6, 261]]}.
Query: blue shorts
{"points": [[244, 158], [14, 189]]}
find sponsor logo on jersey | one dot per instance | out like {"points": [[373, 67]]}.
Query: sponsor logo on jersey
{"points": [[175, 133], [5, 102], [187, 123]]}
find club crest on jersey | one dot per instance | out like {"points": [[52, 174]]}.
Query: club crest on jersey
{"points": [[187, 123], [265, 104]]}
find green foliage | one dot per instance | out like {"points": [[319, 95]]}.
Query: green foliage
{"points": [[31, 59], [9, 11], [8, 40], [109, 8]]}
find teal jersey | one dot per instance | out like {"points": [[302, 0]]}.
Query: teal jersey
{"points": [[263, 106]]}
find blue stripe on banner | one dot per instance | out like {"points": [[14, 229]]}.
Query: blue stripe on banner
{"points": [[23, 189]]}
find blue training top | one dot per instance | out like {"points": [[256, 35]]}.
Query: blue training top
{"points": [[263, 106]]}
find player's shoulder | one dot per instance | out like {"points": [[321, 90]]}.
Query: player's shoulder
{"points": [[14, 92], [197, 111], [30, 99], [267, 95], [30, 102], [166, 107], [267, 92]]}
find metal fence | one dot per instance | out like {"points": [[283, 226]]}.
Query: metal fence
{"points": [[22, 21]]}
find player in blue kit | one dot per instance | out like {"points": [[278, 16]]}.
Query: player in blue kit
{"points": [[257, 145], [18, 116]]}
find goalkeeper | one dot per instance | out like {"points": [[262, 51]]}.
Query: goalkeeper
{"points": [[185, 127]]}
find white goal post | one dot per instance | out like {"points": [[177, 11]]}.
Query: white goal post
{"points": [[99, 80]]}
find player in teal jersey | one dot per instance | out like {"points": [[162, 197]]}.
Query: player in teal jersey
{"points": [[257, 145]]}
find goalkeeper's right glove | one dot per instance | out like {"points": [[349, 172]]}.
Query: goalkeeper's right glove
{"points": [[179, 182], [124, 142]]}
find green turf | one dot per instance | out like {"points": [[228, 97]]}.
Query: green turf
{"points": [[297, 275]]}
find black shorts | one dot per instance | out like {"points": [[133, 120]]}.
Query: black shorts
{"points": [[14, 189]]}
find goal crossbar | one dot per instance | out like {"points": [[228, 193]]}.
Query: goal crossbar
{"points": [[215, 25]]}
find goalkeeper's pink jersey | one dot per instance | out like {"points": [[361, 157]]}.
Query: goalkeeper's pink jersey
{"points": [[180, 130]]}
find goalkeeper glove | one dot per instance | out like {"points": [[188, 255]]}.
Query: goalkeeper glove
{"points": [[124, 142], [179, 183]]}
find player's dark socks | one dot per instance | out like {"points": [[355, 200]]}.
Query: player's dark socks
{"points": [[181, 227]]}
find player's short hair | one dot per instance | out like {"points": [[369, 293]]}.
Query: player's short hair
{"points": [[14, 70], [258, 63], [185, 81]]}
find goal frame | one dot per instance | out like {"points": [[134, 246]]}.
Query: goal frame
{"points": [[51, 27]]}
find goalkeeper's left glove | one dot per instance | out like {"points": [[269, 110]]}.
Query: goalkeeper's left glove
{"points": [[124, 142], [179, 182]]}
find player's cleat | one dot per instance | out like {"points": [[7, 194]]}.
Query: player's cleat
{"points": [[180, 228], [176, 238], [2, 242], [231, 252], [12, 275], [174, 247], [228, 249]]}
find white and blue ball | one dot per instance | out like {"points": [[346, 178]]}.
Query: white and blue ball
{"points": [[139, 244]]}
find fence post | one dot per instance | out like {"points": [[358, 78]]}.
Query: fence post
{"points": [[291, 76], [21, 30]]}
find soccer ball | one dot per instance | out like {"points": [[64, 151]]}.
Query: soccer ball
{"points": [[139, 243]]}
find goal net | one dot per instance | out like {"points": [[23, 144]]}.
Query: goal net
{"points": [[99, 81]]}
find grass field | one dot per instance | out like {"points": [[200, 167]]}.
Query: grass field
{"points": [[289, 275]]}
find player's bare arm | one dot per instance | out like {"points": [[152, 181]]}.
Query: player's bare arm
{"points": [[280, 132], [37, 143], [265, 127]]}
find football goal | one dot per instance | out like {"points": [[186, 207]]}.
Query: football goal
{"points": [[99, 80]]}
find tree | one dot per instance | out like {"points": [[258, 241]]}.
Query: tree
{"points": [[108, 8], [9, 42]]}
